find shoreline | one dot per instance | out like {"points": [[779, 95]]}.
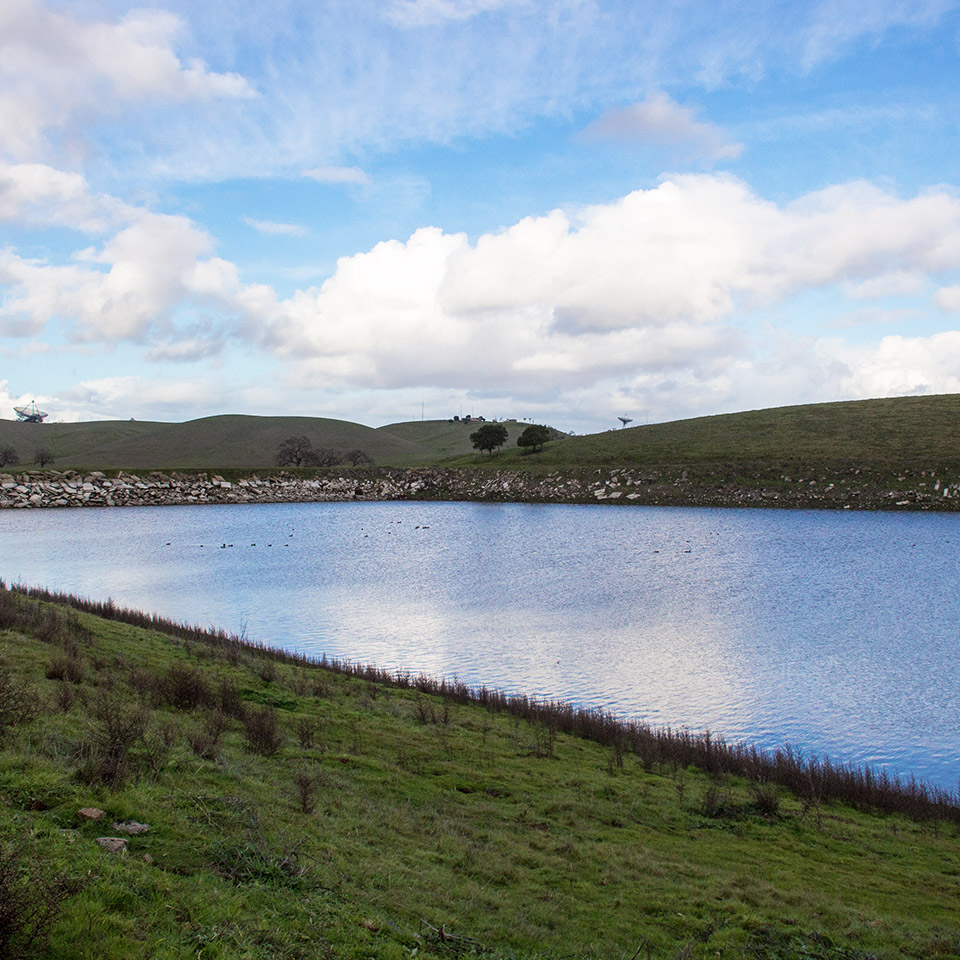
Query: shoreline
{"points": [[843, 488]]}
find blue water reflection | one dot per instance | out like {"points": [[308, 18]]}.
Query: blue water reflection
{"points": [[834, 631]]}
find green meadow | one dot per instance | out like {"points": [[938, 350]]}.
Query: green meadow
{"points": [[302, 810], [881, 434]]}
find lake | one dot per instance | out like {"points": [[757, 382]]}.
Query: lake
{"points": [[834, 631]]}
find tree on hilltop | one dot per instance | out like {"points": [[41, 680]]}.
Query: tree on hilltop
{"points": [[491, 436], [534, 437]]}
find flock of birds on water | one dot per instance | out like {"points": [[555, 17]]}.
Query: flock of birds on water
{"points": [[226, 546]]}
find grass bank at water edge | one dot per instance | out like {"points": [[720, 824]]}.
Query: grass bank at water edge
{"points": [[305, 810]]}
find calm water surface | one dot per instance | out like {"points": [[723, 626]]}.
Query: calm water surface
{"points": [[836, 632]]}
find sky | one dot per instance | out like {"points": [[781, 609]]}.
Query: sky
{"points": [[561, 210]]}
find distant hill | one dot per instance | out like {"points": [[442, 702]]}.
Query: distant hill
{"points": [[869, 431], [231, 442]]}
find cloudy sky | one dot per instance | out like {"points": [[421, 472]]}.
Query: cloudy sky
{"points": [[559, 209]]}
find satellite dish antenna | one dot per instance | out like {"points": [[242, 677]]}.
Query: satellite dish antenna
{"points": [[625, 420], [31, 413]]}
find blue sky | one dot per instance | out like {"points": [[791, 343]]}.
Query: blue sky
{"points": [[566, 210]]}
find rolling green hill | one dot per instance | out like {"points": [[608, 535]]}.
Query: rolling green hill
{"points": [[225, 442], [866, 431], [869, 430]]}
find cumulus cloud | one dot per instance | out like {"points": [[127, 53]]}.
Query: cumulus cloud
{"points": [[34, 194], [652, 282], [55, 67], [119, 291], [900, 366], [128, 287], [349, 175], [272, 228], [659, 121]]}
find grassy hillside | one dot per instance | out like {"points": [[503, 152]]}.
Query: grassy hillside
{"points": [[909, 429], [299, 812], [444, 438], [874, 431], [237, 442]]}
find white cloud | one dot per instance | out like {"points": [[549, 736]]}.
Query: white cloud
{"points": [[34, 194], [272, 228], [338, 79], [874, 316], [899, 283], [184, 351], [834, 25], [350, 175], [948, 299], [123, 396], [660, 121], [419, 13], [56, 68], [129, 287], [901, 366], [652, 282]]}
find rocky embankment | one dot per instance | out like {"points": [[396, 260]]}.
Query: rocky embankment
{"points": [[848, 488]]}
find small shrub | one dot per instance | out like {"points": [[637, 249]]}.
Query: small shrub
{"points": [[307, 729], [18, 701], [263, 732], [424, 711], [107, 757], [716, 803], [29, 904], [228, 698], [544, 740], [307, 789], [47, 625], [143, 681], [185, 687], [65, 697], [155, 750], [203, 745], [266, 669], [169, 732], [766, 799], [67, 668]]}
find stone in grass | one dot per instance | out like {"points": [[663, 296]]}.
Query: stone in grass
{"points": [[90, 813], [131, 827], [113, 844]]}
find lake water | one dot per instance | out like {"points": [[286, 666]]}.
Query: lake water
{"points": [[834, 631]]}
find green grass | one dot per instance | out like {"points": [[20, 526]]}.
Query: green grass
{"points": [[429, 815], [905, 429], [893, 431]]}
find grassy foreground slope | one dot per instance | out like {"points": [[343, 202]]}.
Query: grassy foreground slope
{"points": [[295, 811]]}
